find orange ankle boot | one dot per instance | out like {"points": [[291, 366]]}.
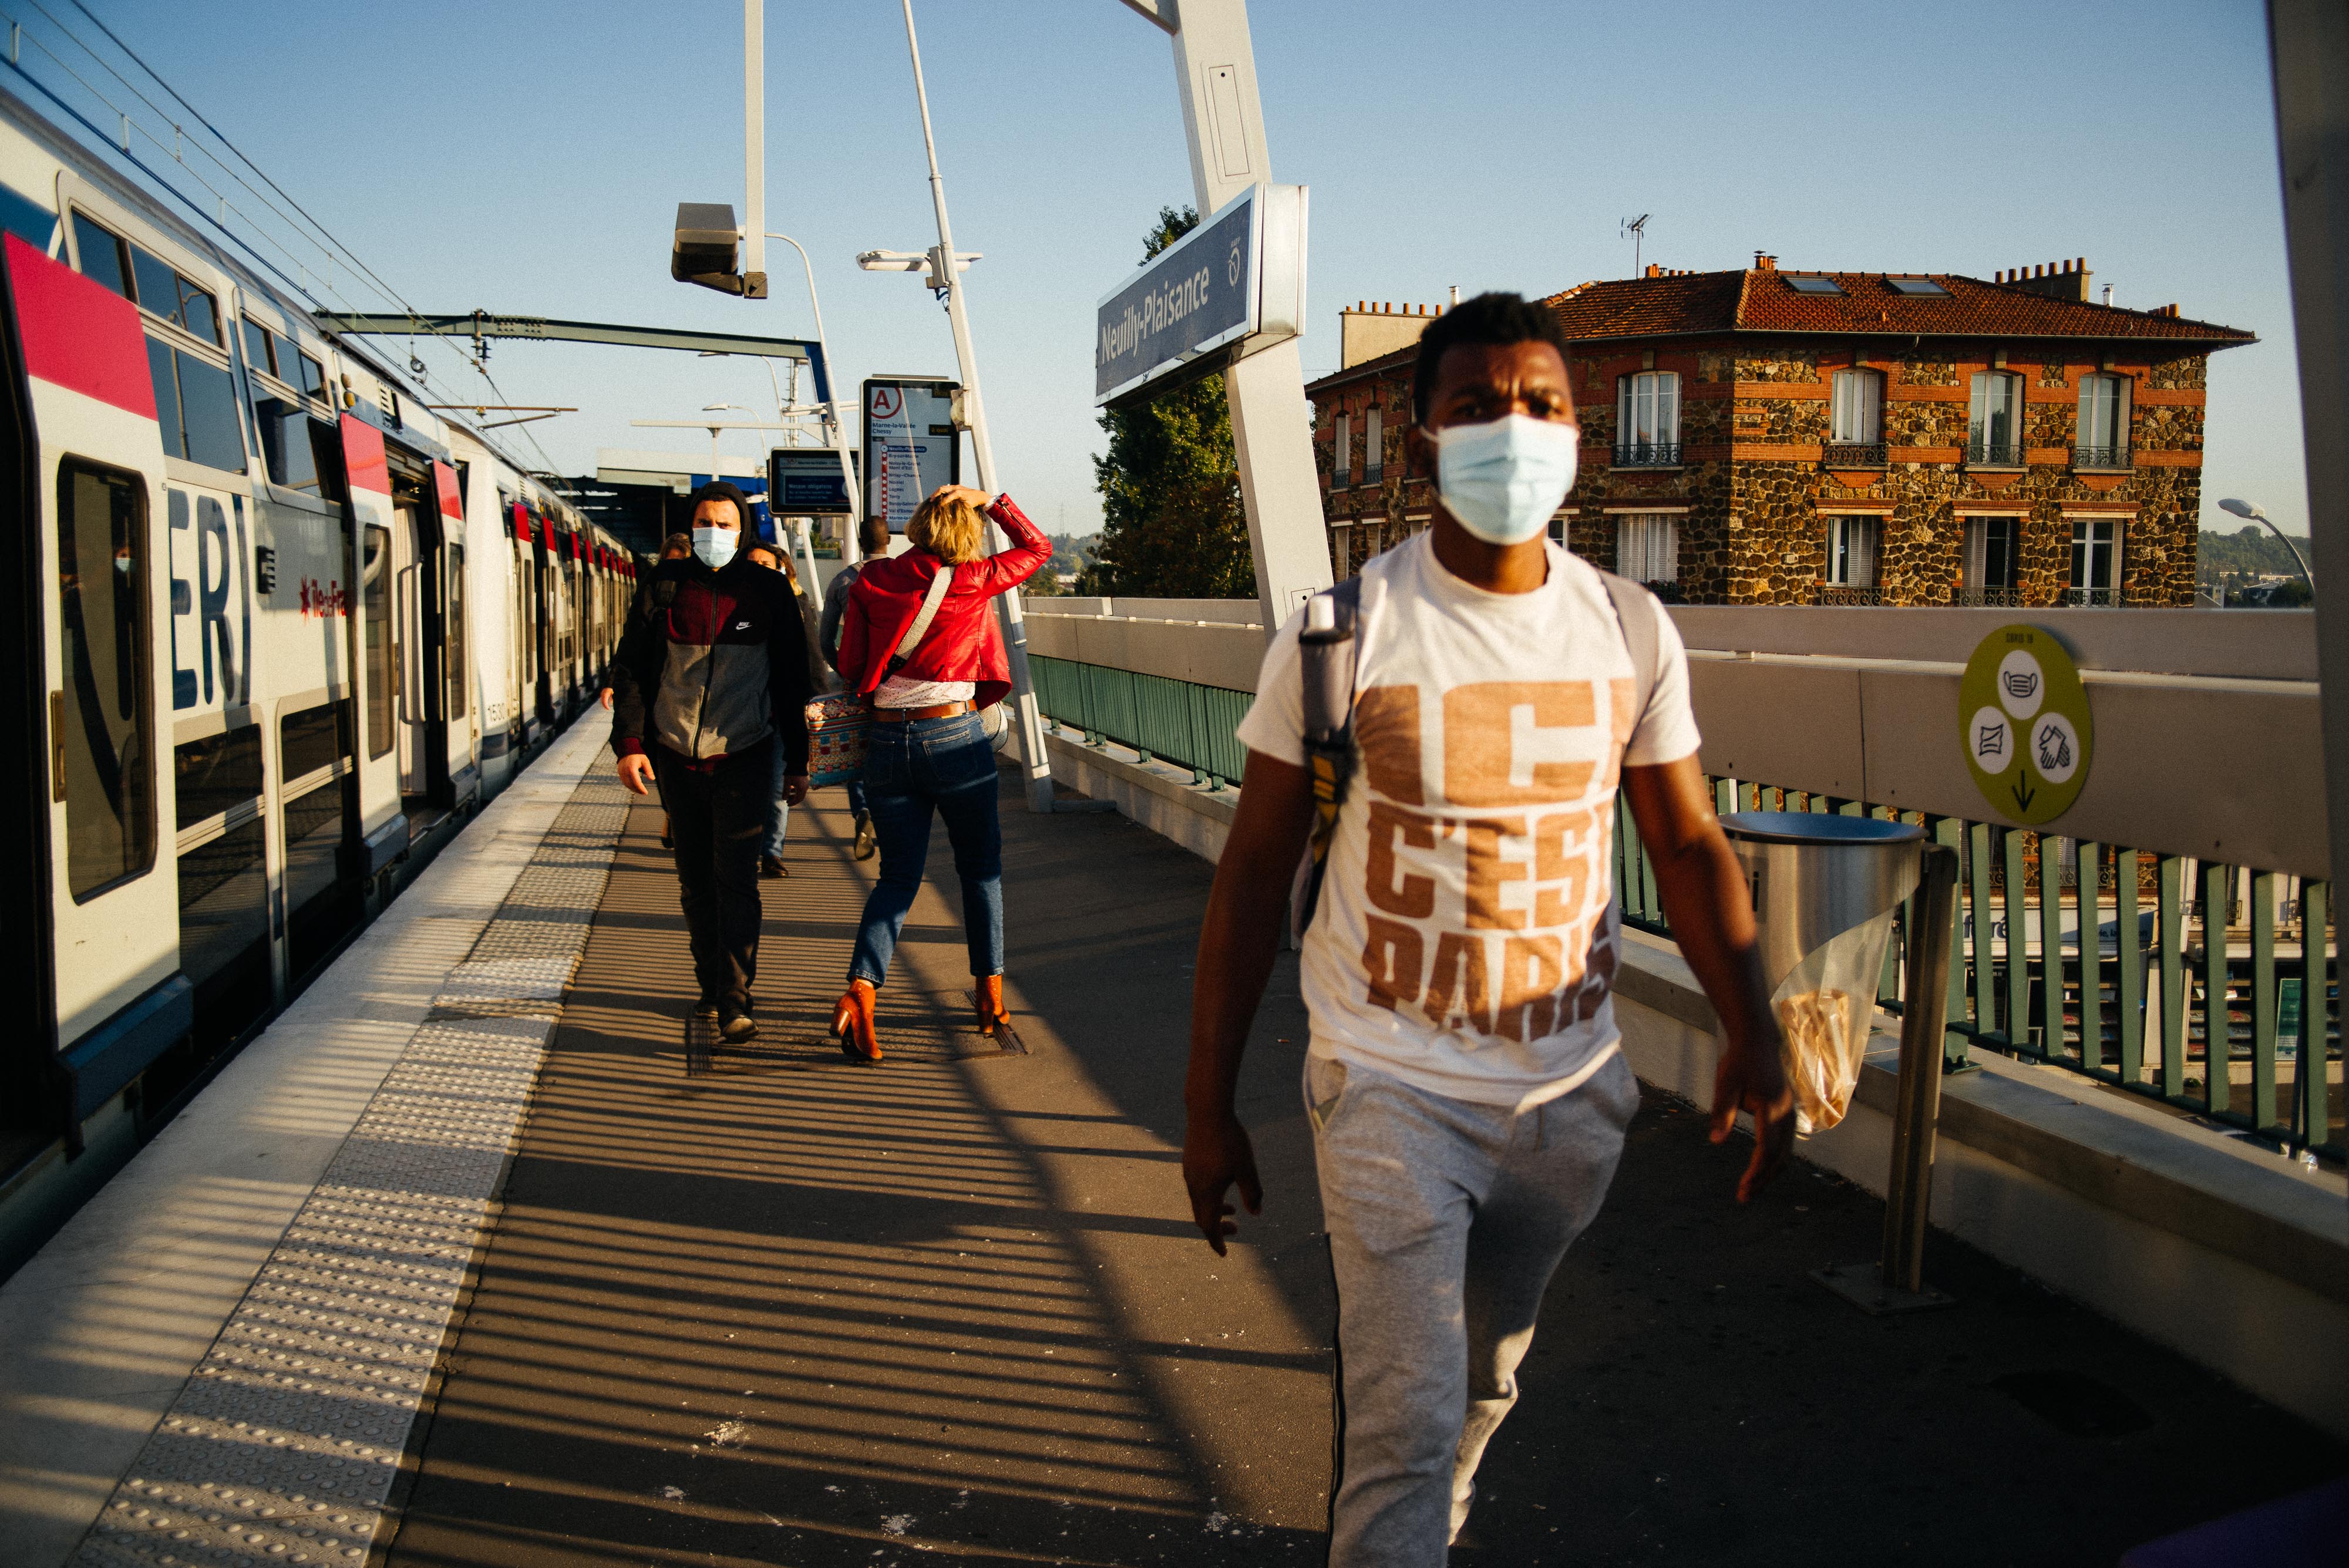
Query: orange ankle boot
{"points": [[986, 995], [851, 1022]]}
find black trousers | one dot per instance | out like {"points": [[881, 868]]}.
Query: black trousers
{"points": [[718, 820]]}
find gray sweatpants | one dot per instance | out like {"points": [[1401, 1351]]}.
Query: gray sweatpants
{"points": [[1446, 1220]]}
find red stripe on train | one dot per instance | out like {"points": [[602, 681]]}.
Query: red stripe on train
{"points": [[444, 479], [363, 458], [80, 335]]}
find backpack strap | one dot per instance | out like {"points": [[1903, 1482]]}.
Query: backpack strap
{"points": [[939, 583], [1326, 662], [1636, 613]]}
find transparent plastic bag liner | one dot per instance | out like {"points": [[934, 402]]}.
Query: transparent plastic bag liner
{"points": [[1824, 1007]]}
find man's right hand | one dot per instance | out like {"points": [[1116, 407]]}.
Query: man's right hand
{"points": [[1217, 1154], [637, 773]]}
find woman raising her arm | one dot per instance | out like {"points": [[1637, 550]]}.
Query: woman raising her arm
{"points": [[919, 641]]}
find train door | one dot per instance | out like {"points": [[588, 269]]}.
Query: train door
{"points": [[111, 999], [460, 724], [419, 623], [375, 652]]}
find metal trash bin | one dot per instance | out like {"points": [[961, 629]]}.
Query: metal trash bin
{"points": [[1824, 890]]}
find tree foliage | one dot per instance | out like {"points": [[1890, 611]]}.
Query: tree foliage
{"points": [[1172, 523]]}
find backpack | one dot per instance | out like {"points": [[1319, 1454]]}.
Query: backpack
{"points": [[1326, 665]]}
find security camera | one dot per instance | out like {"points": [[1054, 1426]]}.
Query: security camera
{"points": [[704, 250]]}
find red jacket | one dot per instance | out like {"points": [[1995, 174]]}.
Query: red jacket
{"points": [[963, 643]]}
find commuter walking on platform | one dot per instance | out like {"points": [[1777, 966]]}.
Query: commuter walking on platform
{"points": [[710, 680], [919, 641], [1471, 705], [872, 537]]}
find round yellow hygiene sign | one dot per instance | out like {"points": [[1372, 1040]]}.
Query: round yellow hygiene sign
{"points": [[2025, 728]]}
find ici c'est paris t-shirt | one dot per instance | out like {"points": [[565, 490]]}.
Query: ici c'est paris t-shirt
{"points": [[1466, 938]]}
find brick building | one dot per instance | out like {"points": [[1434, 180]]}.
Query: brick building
{"points": [[1769, 437]]}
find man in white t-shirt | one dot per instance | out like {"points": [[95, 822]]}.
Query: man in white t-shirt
{"points": [[1467, 1089]]}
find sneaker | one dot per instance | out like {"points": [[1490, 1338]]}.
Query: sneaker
{"points": [[866, 843], [706, 1007], [737, 1025], [771, 866]]}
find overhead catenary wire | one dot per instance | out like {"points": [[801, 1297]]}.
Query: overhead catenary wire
{"points": [[213, 214]]}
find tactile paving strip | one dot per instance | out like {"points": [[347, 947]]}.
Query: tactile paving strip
{"points": [[283, 1445]]}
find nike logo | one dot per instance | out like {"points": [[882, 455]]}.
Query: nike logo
{"points": [[741, 626]]}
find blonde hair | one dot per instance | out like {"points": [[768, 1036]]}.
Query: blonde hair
{"points": [[948, 527]]}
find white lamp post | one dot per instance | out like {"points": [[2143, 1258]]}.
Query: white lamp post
{"points": [[2245, 510]]}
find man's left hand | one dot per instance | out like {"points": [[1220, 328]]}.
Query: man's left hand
{"points": [[795, 787], [1751, 1079]]}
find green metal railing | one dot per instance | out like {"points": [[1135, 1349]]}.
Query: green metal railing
{"points": [[2129, 975], [1177, 721], [2192, 983]]}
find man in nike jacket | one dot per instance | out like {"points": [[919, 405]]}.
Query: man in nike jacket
{"points": [[711, 674]]}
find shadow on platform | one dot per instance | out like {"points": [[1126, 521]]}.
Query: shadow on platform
{"points": [[799, 1311]]}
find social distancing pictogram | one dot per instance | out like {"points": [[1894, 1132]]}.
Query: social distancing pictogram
{"points": [[2024, 725]]}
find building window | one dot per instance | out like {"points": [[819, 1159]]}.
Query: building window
{"points": [[1647, 547], [1856, 431], [1342, 466], [1374, 451], [2104, 439], [1986, 577], [1558, 530], [1648, 420], [1341, 566], [2095, 561], [1851, 559], [1994, 420]]}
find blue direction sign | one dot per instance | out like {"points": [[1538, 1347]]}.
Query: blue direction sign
{"points": [[1238, 277]]}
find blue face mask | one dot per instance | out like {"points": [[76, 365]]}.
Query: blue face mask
{"points": [[1505, 479], [716, 546]]}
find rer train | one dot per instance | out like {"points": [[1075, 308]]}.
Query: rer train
{"points": [[274, 632]]}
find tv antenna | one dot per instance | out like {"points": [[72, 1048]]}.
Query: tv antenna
{"points": [[1636, 228]]}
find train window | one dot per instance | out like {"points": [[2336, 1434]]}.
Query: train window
{"points": [[326, 458], [166, 376], [207, 410], [162, 291], [375, 590], [217, 774], [101, 255], [314, 377], [311, 739], [225, 929], [103, 715], [460, 678], [258, 346], [285, 444]]}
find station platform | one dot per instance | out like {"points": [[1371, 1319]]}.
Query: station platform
{"points": [[465, 1263]]}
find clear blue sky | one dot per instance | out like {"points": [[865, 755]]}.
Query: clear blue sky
{"points": [[526, 156]]}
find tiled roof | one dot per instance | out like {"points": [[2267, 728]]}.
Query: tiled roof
{"points": [[1762, 301]]}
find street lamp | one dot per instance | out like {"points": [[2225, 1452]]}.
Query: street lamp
{"points": [[2249, 513]]}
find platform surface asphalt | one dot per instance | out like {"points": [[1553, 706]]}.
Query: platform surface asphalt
{"points": [[798, 1311]]}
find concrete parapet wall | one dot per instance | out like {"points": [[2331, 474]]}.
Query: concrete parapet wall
{"points": [[1215, 655], [1161, 798], [2233, 1256]]}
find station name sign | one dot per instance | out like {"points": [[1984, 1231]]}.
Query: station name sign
{"points": [[1232, 285]]}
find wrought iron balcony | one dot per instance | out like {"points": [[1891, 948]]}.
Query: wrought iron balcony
{"points": [[2108, 458], [1847, 594], [2092, 598], [1342, 479], [1996, 598], [1373, 473], [1647, 454], [1853, 454], [1983, 453]]}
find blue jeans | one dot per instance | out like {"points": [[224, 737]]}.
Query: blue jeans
{"points": [[857, 802], [779, 810], [911, 769]]}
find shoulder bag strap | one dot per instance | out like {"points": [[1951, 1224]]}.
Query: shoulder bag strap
{"points": [[907, 644], [1326, 662], [1636, 610]]}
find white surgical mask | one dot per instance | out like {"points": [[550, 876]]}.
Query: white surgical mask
{"points": [[716, 545], [1505, 479]]}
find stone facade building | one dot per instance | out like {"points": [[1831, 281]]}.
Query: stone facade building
{"points": [[1772, 437]]}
